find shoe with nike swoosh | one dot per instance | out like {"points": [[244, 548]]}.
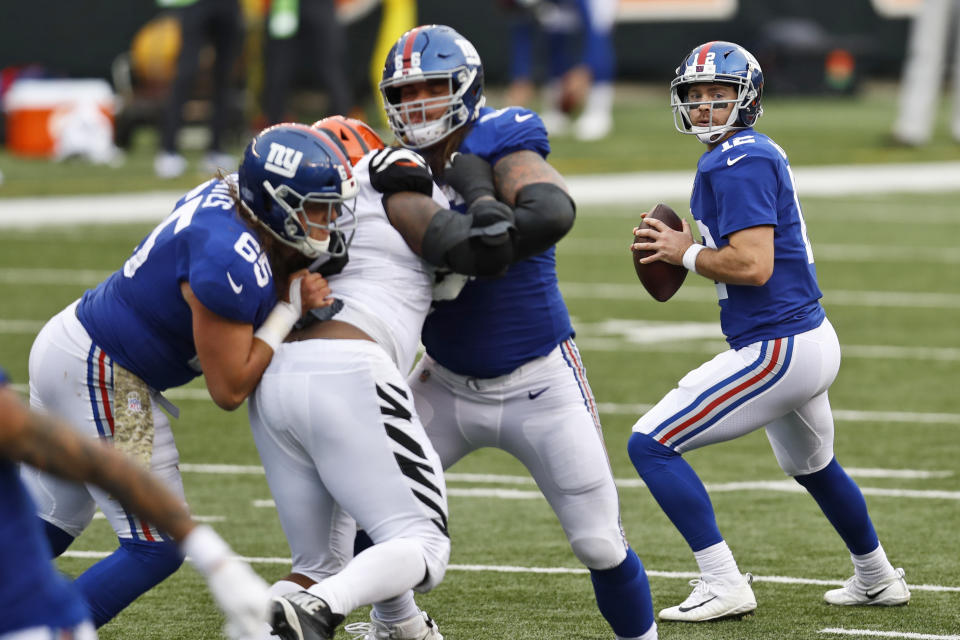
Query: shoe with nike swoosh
{"points": [[713, 601], [889, 592]]}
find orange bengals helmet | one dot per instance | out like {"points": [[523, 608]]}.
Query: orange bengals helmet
{"points": [[356, 138]]}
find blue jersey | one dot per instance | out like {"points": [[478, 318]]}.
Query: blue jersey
{"points": [[138, 315], [747, 182], [496, 325], [32, 593]]}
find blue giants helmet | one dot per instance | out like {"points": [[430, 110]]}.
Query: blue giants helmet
{"points": [[287, 166], [722, 63], [432, 53]]}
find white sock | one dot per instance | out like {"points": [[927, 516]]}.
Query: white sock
{"points": [[381, 572], [872, 567], [649, 634], [398, 609], [717, 562]]}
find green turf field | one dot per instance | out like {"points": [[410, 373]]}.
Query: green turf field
{"points": [[890, 270], [896, 398]]}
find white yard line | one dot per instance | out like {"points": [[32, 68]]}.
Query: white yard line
{"points": [[838, 297], [678, 575], [638, 409], [627, 188], [872, 633], [492, 478]]}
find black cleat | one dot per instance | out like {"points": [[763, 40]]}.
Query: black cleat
{"points": [[302, 616]]}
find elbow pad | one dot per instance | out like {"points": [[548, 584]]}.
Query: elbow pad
{"points": [[478, 243], [544, 214]]}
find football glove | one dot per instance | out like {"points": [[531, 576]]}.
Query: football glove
{"points": [[239, 592], [470, 175], [394, 169]]}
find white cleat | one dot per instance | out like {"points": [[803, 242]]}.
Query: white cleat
{"points": [[591, 126], [713, 601], [419, 627], [889, 592]]}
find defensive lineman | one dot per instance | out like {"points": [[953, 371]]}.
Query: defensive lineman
{"points": [[333, 417]]}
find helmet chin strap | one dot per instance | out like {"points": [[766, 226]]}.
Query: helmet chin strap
{"points": [[320, 246]]}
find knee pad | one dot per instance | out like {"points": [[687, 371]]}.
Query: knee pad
{"points": [[647, 454], [599, 552]]}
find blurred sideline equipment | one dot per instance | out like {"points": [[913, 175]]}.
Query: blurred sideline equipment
{"points": [[60, 119], [923, 72]]}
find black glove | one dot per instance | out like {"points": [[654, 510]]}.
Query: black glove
{"points": [[470, 175], [395, 169], [492, 223]]}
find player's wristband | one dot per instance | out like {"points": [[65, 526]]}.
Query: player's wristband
{"points": [[206, 549], [690, 256], [278, 324]]}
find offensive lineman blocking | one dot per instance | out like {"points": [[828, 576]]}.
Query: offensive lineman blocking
{"points": [[501, 368]]}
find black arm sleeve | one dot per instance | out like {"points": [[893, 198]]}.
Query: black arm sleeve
{"points": [[543, 215], [478, 243]]}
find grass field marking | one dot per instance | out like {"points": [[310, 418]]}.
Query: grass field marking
{"points": [[492, 478], [839, 297], [887, 634], [44, 276], [811, 181], [671, 575], [782, 486], [586, 342], [624, 188], [638, 409], [822, 251], [587, 290], [100, 516]]}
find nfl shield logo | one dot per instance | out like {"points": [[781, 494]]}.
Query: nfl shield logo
{"points": [[133, 402]]}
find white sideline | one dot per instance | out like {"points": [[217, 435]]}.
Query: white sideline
{"points": [[909, 635], [626, 188], [680, 575]]}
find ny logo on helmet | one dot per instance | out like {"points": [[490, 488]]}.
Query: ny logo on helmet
{"points": [[283, 160]]}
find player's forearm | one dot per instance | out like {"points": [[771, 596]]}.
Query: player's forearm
{"points": [[411, 213], [730, 266], [231, 380]]}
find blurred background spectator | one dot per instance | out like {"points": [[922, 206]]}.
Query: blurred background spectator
{"points": [[923, 71], [220, 23], [580, 62], [305, 34]]}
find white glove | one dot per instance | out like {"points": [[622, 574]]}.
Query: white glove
{"points": [[240, 593]]}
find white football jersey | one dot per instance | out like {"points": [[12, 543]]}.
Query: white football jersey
{"points": [[385, 287]]}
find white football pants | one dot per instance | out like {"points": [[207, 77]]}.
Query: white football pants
{"points": [[74, 379], [339, 438], [544, 414], [778, 384]]}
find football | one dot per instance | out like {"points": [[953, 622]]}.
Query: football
{"points": [[660, 279]]}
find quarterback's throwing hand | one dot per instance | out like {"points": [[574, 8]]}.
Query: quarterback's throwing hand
{"points": [[394, 169]]}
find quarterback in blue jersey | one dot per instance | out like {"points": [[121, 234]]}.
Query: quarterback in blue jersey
{"points": [[783, 355], [206, 291], [35, 600], [501, 368]]}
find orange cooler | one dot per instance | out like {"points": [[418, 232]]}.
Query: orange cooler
{"points": [[33, 108]]}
